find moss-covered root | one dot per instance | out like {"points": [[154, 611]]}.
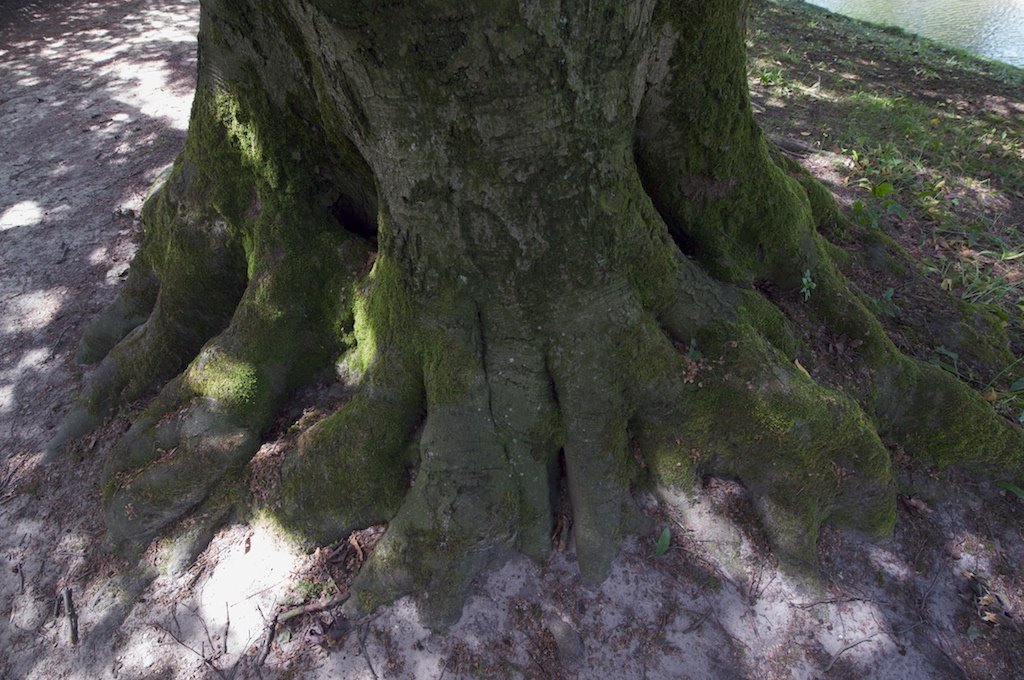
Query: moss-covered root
{"points": [[702, 158], [201, 280], [486, 455], [136, 298], [163, 467], [595, 383], [463, 508], [806, 453], [129, 310], [940, 421], [208, 420], [352, 469], [937, 419]]}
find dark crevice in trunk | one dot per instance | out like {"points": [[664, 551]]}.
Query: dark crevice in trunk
{"points": [[355, 217], [676, 230], [561, 504]]}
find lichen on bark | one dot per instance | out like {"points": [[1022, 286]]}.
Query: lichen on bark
{"points": [[535, 237]]}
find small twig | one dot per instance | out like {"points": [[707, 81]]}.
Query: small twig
{"points": [[206, 660], [206, 629], [848, 648], [69, 612], [56, 343], [21, 576], [336, 554], [911, 627], [312, 608], [928, 592], [758, 586], [698, 623], [899, 633], [721, 625], [64, 250], [268, 642], [834, 600], [227, 626], [10, 475], [949, 657], [362, 649], [263, 590]]}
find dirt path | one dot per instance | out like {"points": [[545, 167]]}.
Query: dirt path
{"points": [[93, 103]]}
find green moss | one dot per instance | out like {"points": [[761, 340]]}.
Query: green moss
{"points": [[807, 453], [352, 468], [941, 422], [705, 163], [770, 322], [226, 380]]}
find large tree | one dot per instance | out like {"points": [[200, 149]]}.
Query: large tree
{"points": [[542, 241]]}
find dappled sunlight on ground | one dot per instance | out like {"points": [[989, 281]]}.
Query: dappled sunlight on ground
{"points": [[94, 102], [24, 214]]}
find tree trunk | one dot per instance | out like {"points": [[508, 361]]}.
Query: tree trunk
{"points": [[532, 236]]}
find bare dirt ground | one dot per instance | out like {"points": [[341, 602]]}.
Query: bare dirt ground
{"points": [[94, 102]]}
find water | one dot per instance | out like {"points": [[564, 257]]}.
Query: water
{"points": [[991, 28]]}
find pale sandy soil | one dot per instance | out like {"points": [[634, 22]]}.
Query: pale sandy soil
{"points": [[94, 101]]}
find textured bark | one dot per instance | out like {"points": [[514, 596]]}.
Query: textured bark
{"points": [[481, 210]]}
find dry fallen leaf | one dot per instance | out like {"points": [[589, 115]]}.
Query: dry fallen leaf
{"points": [[915, 504]]}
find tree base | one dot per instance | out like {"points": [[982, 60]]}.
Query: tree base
{"points": [[496, 352]]}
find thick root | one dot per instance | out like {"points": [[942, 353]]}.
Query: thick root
{"points": [[209, 419], [464, 508], [201, 277], [353, 468]]}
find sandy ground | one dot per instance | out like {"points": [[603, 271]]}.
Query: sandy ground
{"points": [[94, 101]]}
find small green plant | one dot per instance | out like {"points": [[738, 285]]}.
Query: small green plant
{"points": [[694, 353], [771, 75], [663, 542], [309, 589], [807, 285], [884, 305], [1012, 488], [947, 360], [868, 216]]}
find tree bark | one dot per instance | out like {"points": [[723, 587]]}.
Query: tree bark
{"points": [[532, 236]]}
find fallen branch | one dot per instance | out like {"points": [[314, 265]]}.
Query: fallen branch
{"points": [[312, 608], [847, 648], [354, 542], [698, 623], [10, 474], [834, 600]]}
